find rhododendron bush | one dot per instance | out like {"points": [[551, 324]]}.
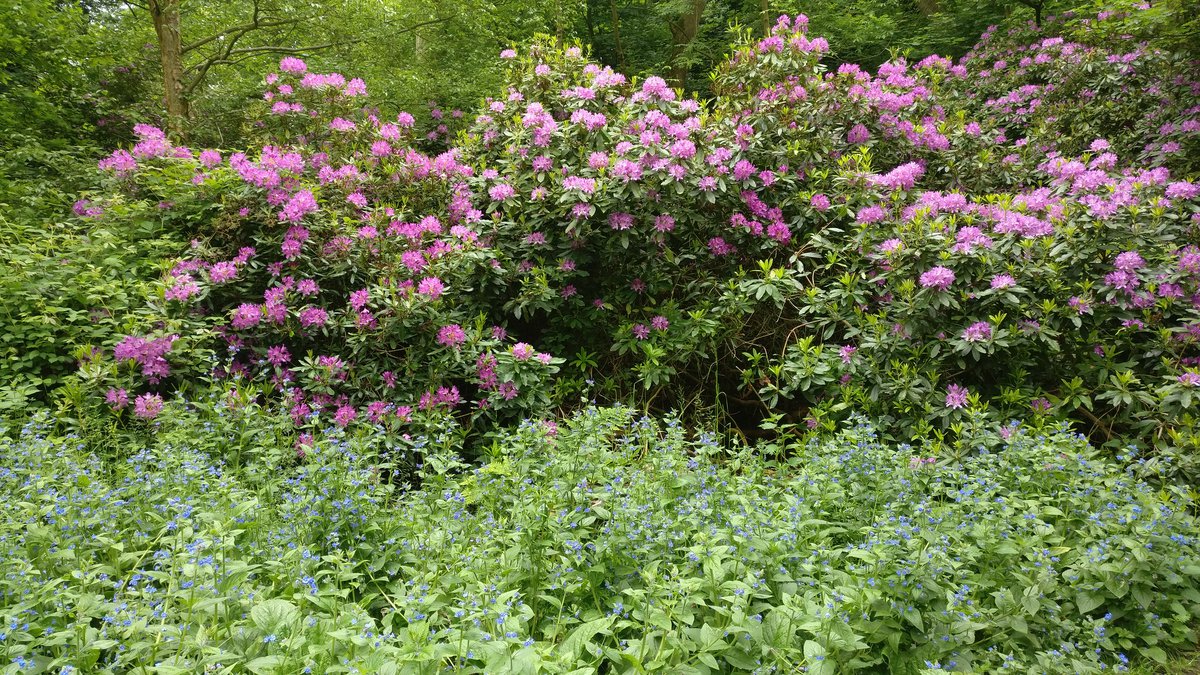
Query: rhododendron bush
{"points": [[930, 243], [339, 269]]}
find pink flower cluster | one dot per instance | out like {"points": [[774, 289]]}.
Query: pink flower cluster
{"points": [[149, 354]]}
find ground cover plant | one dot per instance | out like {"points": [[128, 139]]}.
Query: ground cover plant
{"points": [[608, 542]]}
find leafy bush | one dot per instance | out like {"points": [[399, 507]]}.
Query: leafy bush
{"points": [[1138, 98], [808, 242], [604, 543], [69, 283], [360, 304]]}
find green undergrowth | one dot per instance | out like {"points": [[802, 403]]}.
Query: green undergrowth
{"points": [[605, 543]]}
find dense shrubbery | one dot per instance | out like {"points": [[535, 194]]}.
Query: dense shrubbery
{"points": [[808, 242], [604, 543]]}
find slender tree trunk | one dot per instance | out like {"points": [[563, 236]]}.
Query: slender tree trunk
{"points": [[616, 23], [765, 10], [1036, 6], [165, 14], [560, 28], [683, 30], [591, 25]]}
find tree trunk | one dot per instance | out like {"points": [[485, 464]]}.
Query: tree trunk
{"points": [[765, 10], [560, 28], [165, 14], [683, 30], [1036, 6], [616, 23], [591, 25]]}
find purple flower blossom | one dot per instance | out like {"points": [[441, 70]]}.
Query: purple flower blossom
{"points": [[718, 247], [1129, 261], [278, 355], [432, 287], [246, 316], [660, 323], [307, 287], [858, 134], [313, 316], [116, 398], [182, 288], [627, 170], [221, 272], [978, 332], [291, 64], [300, 204], [1001, 281], [1122, 280], [903, 177], [210, 158], [360, 298], [522, 351], [956, 396], [656, 87], [507, 390], [620, 221], [938, 277], [344, 415], [147, 406], [743, 170], [641, 331], [451, 336], [501, 191], [871, 214], [890, 246]]}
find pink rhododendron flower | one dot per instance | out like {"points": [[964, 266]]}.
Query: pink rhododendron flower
{"points": [[938, 277], [451, 336], [148, 406], [956, 396]]}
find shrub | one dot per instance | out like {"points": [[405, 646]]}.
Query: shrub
{"points": [[338, 265], [807, 242]]}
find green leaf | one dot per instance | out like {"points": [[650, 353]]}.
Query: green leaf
{"points": [[1086, 602], [1156, 653], [579, 638], [264, 665], [815, 657], [272, 614]]}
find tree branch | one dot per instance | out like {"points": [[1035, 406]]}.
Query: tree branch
{"points": [[244, 28], [224, 56]]}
